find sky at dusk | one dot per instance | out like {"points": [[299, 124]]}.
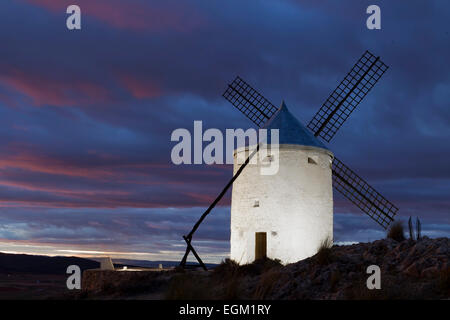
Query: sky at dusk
{"points": [[87, 115]]}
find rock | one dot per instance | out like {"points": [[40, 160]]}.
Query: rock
{"points": [[430, 272], [409, 269], [442, 250], [412, 271], [368, 256]]}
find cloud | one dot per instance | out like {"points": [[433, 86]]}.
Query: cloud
{"points": [[140, 89], [46, 91], [134, 15], [87, 116], [150, 233], [154, 233]]}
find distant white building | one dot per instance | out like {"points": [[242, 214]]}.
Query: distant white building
{"points": [[284, 216]]}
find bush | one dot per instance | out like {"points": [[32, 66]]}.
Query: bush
{"points": [[396, 232], [226, 270], [229, 268], [259, 267], [324, 255]]}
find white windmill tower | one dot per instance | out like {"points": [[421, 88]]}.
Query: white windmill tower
{"points": [[287, 215]]}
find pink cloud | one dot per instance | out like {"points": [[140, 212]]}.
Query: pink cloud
{"points": [[114, 183], [118, 170], [140, 89], [152, 225], [136, 15], [45, 91], [65, 192], [31, 162], [199, 198]]}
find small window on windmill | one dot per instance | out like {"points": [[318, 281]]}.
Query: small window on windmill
{"points": [[240, 158], [269, 158], [256, 203], [313, 159]]}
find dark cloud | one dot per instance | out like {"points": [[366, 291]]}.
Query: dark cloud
{"points": [[87, 116]]}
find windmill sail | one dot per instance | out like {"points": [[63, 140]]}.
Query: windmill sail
{"points": [[358, 191], [249, 101], [346, 97]]}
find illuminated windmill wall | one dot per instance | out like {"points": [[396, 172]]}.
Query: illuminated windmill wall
{"points": [[286, 215]]}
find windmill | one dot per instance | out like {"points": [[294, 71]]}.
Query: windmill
{"points": [[325, 123]]}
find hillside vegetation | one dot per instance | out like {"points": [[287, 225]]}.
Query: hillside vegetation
{"points": [[409, 270]]}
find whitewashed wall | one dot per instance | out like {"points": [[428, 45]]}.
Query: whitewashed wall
{"points": [[295, 206]]}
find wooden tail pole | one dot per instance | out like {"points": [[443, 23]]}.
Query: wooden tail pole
{"points": [[188, 238]]}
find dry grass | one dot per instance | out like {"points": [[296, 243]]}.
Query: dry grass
{"points": [[444, 281], [396, 232], [232, 289], [227, 273], [393, 288], [229, 268], [226, 270], [186, 286], [259, 267], [231, 275], [266, 284], [324, 254], [334, 279]]}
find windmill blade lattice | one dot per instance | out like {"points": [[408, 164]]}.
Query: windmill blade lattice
{"points": [[346, 97], [358, 191], [249, 101]]}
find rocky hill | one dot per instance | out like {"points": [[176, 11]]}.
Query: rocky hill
{"points": [[409, 270]]}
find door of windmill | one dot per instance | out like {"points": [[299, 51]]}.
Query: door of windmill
{"points": [[260, 245]]}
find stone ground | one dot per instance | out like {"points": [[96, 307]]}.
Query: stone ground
{"points": [[409, 270], [31, 286]]}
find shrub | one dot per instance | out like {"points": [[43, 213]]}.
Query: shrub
{"points": [[259, 266], [396, 232], [229, 268], [324, 255], [269, 264], [226, 270], [418, 228], [411, 229]]}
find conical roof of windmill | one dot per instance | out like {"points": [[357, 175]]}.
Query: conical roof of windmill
{"points": [[291, 131]]}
